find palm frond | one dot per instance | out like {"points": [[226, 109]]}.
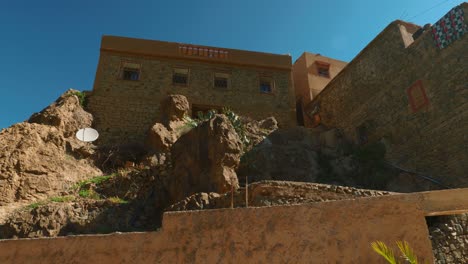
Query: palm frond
{"points": [[408, 253], [382, 249]]}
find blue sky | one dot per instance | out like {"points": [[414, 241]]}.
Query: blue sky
{"points": [[49, 46]]}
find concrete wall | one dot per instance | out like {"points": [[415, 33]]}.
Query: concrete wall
{"points": [[328, 232], [372, 92], [307, 82], [124, 110]]}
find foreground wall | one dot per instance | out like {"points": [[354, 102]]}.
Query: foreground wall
{"points": [[328, 232], [408, 94]]}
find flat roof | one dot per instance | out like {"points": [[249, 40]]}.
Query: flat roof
{"points": [[155, 48]]}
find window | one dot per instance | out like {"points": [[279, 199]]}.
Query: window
{"points": [[180, 77], [221, 80], [130, 71], [131, 74], [417, 96], [323, 69], [266, 85]]}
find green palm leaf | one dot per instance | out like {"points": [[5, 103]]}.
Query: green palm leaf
{"points": [[384, 251], [408, 253]]}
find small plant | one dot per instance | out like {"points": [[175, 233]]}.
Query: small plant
{"points": [[190, 122], [95, 180], [407, 253], [35, 205], [62, 199], [233, 118], [237, 124], [117, 200], [89, 194], [81, 97]]}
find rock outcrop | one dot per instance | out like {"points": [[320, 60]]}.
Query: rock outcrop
{"points": [[37, 160], [205, 159], [66, 114], [160, 139], [173, 110], [161, 136]]}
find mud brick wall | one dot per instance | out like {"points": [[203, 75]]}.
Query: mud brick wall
{"points": [[425, 132], [124, 110], [328, 232]]}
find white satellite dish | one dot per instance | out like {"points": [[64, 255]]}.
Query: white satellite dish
{"points": [[87, 134]]}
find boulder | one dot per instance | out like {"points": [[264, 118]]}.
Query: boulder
{"points": [[205, 159], [269, 123], [160, 138], [173, 109]]}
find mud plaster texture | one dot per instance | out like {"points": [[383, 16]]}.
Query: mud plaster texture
{"points": [[329, 232]]}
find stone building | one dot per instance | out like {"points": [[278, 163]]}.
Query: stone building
{"points": [[134, 75], [409, 90], [311, 73]]}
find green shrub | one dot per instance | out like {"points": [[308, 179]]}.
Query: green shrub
{"points": [[233, 118], [95, 180], [89, 194], [35, 205], [237, 124], [62, 199], [81, 97]]}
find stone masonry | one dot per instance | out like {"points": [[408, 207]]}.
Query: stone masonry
{"points": [[124, 110], [408, 94]]}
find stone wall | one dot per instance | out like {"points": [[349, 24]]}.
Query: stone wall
{"points": [[329, 232], [449, 236], [408, 94], [124, 110]]}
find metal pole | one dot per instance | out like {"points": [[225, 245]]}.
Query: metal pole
{"points": [[246, 192]]}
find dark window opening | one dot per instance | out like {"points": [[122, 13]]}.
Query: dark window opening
{"points": [[131, 74], [221, 82], [323, 71], [265, 87], [180, 79]]}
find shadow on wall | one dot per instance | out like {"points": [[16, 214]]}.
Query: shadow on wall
{"points": [[311, 155]]}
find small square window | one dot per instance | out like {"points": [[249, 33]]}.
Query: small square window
{"points": [[180, 77], [131, 74], [266, 85], [323, 69], [221, 80], [130, 71]]}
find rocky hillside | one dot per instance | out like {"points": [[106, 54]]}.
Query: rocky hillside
{"points": [[41, 157], [51, 184], [68, 187]]}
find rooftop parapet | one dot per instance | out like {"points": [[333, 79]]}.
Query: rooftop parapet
{"points": [[154, 48]]}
